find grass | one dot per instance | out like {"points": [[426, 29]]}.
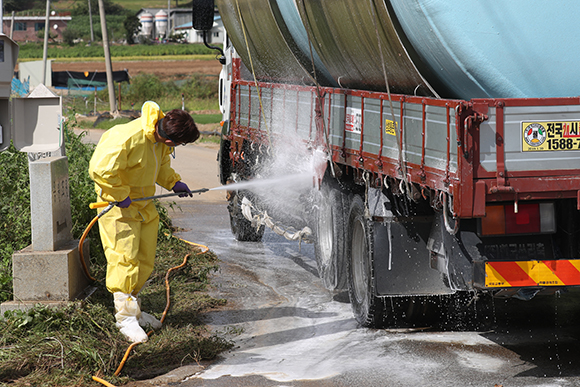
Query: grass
{"points": [[209, 139], [207, 118], [200, 94], [133, 5], [66, 346], [127, 58], [108, 124], [35, 51]]}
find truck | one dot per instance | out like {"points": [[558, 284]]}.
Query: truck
{"points": [[447, 135]]}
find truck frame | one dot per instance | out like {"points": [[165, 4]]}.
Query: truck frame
{"points": [[419, 197]]}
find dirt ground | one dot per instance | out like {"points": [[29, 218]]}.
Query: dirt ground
{"points": [[162, 68]]}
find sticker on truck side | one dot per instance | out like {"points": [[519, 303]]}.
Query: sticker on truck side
{"points": [[390, 127], [550, 136], [353, 120]]}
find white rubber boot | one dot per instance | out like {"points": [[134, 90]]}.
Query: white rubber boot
{"points": [[127, 316], [148, 321]]}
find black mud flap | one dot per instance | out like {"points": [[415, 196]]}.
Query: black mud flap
{"points": [[402, 260], [454, 255]]}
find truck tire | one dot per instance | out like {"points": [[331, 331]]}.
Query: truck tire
{"points": [[240, 226], [331, 229], [368, 309]]}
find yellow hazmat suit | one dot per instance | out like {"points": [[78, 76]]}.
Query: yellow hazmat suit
{"points": [[128, 162]]}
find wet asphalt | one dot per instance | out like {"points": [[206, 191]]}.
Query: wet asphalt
{"points": [[289, 330]]}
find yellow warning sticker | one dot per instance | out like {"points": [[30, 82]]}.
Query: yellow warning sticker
{"points": [[550, 136], [390, 127]]}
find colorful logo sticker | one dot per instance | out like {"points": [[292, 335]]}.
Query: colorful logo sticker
{"points": [[353, 120], [534, 134], [550, 136], [390, 127]]}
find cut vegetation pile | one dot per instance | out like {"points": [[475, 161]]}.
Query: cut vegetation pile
{"points": [[67, 346]]}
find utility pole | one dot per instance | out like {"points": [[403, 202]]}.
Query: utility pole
{"points": [[45, 50], [12, 25], [168, 20], [108, 65], [91, 22], [1, 17]]}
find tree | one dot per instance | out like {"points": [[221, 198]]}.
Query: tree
{"points": [[132, 26], [21, 5], [51, 35], [82, 8]]}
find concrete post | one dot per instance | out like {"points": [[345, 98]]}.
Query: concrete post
{"points": [[49, 271], [50, 203]]}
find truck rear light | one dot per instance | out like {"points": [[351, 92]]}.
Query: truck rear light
{"points": [[531, 218], [525, 221], [494, 221]]}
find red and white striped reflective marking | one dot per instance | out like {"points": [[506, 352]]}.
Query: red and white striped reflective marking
{"points": [[561, 272]]}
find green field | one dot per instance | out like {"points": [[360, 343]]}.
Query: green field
{"points": [[35, 51], [133, 5]]}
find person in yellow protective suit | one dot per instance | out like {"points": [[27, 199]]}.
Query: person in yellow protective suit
{"points": [[126, 164]]}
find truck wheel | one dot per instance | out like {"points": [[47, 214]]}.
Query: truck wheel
{"points": [[368, 309], [330, 245], [242, 227]]}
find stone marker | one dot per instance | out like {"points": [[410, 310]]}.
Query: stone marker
{"points": [[49, 271], [50, 203]]}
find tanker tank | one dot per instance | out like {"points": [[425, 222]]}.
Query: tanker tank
{"points": [[267, 48], [441, 48], [281, 39], [498, 49]]}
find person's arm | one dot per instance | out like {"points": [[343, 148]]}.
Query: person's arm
{"points": [[107, 161], [167, 176]]}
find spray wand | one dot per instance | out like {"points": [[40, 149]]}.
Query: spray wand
{"points": [[109, 206], [105, 204]]}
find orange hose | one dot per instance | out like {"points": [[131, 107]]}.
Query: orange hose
{"points": [[124, 360], [167, 291], [81, 242], [103, 382]]}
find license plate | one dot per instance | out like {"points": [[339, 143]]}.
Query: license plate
{"points": [[550, 136]]}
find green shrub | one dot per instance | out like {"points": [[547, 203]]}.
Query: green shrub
{"points": [[148, 87], [15, 233], [201, 87], [145, 87]]}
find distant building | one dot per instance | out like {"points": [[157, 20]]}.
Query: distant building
{"points": [[154, 21], [215, 35], [25, 28]]}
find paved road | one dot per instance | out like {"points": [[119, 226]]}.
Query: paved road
{"points": [[290, 331]]}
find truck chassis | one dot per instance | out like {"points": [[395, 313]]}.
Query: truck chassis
{"points": [[402, 208]]}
